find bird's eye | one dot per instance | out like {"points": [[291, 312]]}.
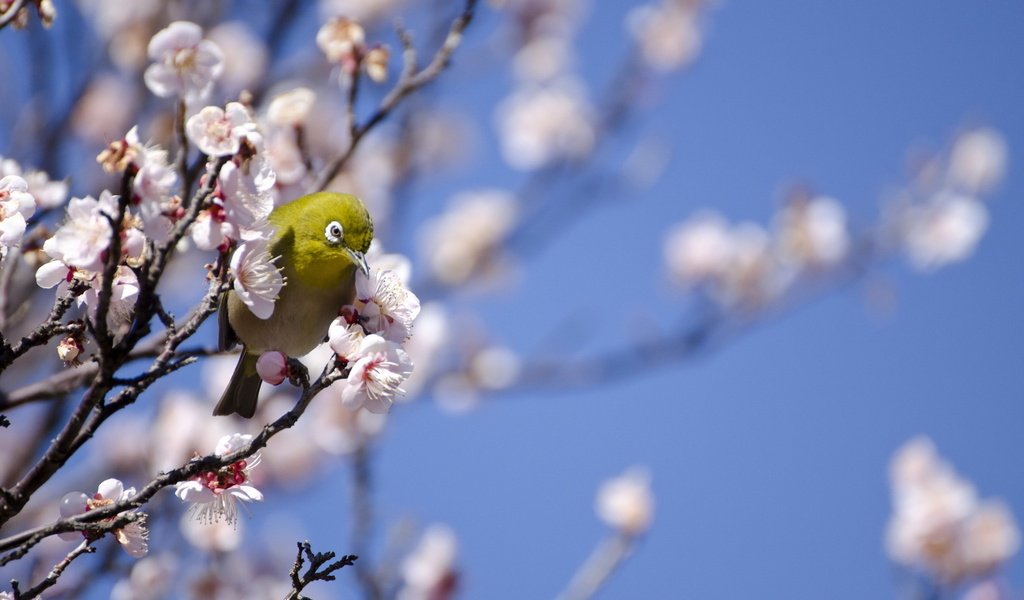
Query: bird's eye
{"points": [[334, 232]]}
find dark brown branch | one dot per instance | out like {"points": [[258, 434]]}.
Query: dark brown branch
{"points": [[314, 572], [11, 13], [46, 330], [55, 573]]}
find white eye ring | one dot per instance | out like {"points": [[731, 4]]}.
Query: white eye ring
{"points": [[333, 232]]}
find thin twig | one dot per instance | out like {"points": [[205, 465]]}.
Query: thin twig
{"points": [[12, 12], [55, 573], [314, 572], [593, 574]]}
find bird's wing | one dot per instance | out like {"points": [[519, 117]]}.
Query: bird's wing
{"points": [[226, 338]]}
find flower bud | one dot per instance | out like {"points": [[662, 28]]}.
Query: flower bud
{"points": [[376, 63], [272, 367], [68, 349]]}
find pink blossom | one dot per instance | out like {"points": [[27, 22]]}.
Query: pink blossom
{"points": [[379, 369], [184, 63]]}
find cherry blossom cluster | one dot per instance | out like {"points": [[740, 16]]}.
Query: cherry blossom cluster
{"points": [[134, 537], [938, 523]]}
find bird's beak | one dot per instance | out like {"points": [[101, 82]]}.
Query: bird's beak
{"points": [[360, 260]]}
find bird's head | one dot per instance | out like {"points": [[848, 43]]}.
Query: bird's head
{"points": [[326, 235]]}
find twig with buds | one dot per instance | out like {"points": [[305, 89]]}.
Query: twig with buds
{"points": [[318, 569], [84, 548]]}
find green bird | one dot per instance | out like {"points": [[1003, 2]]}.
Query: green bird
{"points": [[320, 240]]}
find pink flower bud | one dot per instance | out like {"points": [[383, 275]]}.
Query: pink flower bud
{"points": [[272, 367]]}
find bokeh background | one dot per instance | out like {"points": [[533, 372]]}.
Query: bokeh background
{"points": [[769, 449]]}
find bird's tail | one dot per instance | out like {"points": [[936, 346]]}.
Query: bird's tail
{"points": [[244, 387]]}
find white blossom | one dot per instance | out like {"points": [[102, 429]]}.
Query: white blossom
{"points": [[219, 132], [429, 570], [291, 108], [699, 249], [215, 495], [340, 39], [133, 537], [943, 231], [257, 280], [16, 206], [539, 126], [978, 160], [387, 307], [245, 64], [938, 523], [813, 232], [345, 338], [247, 203], [46, 193], [626, 503], [668, 35], [81, 241], [465, 239], [184, 63], [379, 369]]}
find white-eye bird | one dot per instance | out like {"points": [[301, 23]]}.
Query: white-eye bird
{"points": [[320, 241]]}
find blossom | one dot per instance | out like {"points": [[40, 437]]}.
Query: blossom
{"points": [[978, 160], [542, 125], [626, 503], [219, 132], [667, 35], [81, 241], [215, 495], [699, 249], [466, 238], [257, 280], [184, 63], [813, 232], [341, 40], [246, 62], [133, 537], [291, 108], [149, 579], [379, 369], [246, 200], [943, 231], [344, 338], [16, 206], [376, 63], [388, 308], [272, 367], [429, 570], [939, 524], [46, 193]]}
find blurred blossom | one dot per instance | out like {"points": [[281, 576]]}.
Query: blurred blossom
{"points": [[359, 10], [47, 193], [543, 58], [466, 238], [106, 108], [375, 63], [978, 160], [938, 523], [218, 536], [625, 503], [149, 579], [944, 230], [111, 16], [133, 537], [291, 108], [245, 62], [184, 64], [495, 368], [16, 206], [439, 139], [698, 249], [291, 456], [985, 590], [427, 347], [668, 33], [813, 232], [428, 573], [456, 393], [341, 39], [183, 422], [338, 430], [399, 265], [539, 126], [217, 495]]}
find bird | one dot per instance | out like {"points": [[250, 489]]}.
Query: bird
{"points": [[320, 241]]}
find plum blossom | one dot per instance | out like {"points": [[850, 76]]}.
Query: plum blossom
{"points": [[375, 63], [938, 523], [429, 570], [341, 41], [47, 193], [184, 63], [385, 306], [81, 241], [291, 108], [246, 200], [133, 537], [626, 503], [16, 206], [219, 132], [215, 495], [813, 232], [257, 280], [943, 231], [379, 368], [344, 338], [465, 239], [699, 249], [541, 125], [668, 35], [978, 160], [246, 62]]}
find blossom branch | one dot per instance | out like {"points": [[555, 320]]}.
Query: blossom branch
{"points": [[409, 82], [314, 572], [84, 548], [11, 13], [46, 330]]}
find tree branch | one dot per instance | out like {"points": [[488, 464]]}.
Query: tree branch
{"points": [[314, 572]]}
